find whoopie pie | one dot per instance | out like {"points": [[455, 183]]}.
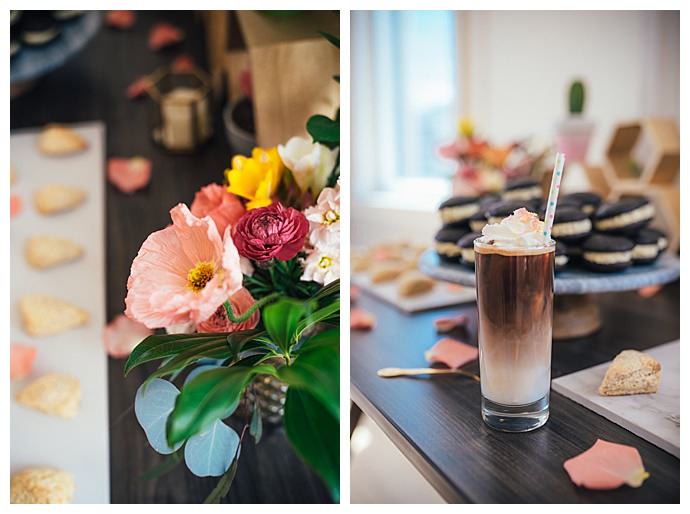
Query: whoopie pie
{"points": [[587, 201], [38, 28], [602, 252], [561, 257], [624, 216], [456, 211], [447, 243], [570, 224], [499, 210], [522, 189], [466, 244], [646, 248]]}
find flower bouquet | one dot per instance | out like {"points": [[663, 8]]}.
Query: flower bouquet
{"points": [[485, 168], [246, 284]]}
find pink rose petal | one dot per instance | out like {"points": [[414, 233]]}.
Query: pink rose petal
{"points": [[15, 205], [182, 63], [607, 466], [649, 291], [163, 35], [361, 320], [121, 20], [21, 360], [129, 175], [452, 353], [137, 89], [448, 323], [121, 335]]}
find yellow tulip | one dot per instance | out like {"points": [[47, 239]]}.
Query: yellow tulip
{"points": [[255, 178], [466, 127]]}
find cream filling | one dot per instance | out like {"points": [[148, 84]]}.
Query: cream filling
{"points": [[468, 254], [449, 249], [477, 225], [607, 257], [459, 213], [38, 38], [645, 251], [627, 218], [588, 209], [560, 260], [663, 243], [523, 194], [571, 228]]}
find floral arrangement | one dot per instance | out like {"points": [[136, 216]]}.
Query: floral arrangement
{"points": [[484, 167], [246, 284]]}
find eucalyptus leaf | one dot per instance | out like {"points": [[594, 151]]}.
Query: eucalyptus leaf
{"points": [[210, 453], [153, 404], [314, 433]]}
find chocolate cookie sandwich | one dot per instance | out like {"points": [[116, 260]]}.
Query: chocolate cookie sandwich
{"points": [[570, 224], [466, 244], [646, 249], [624, 217], [606, 253], [588, 202], [447, 243], [499, 210], [522, 189], [456, 211], [477, 221], [561, 257], [38, 28]]}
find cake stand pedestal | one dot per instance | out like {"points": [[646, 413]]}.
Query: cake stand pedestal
{"points": [[575, 313]]}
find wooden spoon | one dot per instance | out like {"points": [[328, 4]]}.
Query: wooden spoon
{"points": [[413, 372]]}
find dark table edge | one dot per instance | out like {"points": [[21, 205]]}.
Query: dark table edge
{"points": [[430, 473]]}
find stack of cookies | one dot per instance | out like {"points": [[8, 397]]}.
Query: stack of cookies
{"points": [[603, 237]]}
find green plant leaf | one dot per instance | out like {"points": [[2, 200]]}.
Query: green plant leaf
{"points": [[324, 313], [223, 486], [314, 433], [318, 372], [256, 426], [211, 350], [211, 395], [161, 346], [330, 338], [323, 129], [281, 320], [164, 467]]}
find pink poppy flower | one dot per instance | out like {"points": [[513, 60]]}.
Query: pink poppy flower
{"points": [[121, 335], [224, 208], [182, 273], [219, 322]]}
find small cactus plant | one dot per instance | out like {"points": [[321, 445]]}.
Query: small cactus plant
{"points": [[577, 97]]}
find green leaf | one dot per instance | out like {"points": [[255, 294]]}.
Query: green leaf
{"points": [[329, 338], [324, 313], [318, 372], [334, 40], [161, 346], [165, 466], [255, 426], [223, 487], [314, 433], [214, 350], [212, 395], [281, 320], [323, 129]]}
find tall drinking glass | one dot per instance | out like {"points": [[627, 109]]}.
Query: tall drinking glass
{"points": [[515, 303]]}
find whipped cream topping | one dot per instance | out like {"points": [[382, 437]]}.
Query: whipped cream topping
{"points": [[522, 229]]}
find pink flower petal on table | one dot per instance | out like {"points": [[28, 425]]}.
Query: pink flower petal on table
{"points": [[121, 20], [163, 35], [448, 323], [137, 89], [121, 335], [21, 360], [182, 64], [361, 320], [354, 293], [15, 205], [649, 291], [607, 466], [452, 353], [129, 175]]}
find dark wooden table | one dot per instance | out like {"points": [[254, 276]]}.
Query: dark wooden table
{"points": [[437, 424], [92, 87]]}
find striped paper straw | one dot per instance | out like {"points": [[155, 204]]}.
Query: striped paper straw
{"points": [[553, 194]]}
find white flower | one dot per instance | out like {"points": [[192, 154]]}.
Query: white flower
{"points": [[322, 265], [182, 328], [246, 266], [324, 218], [310, 163]]}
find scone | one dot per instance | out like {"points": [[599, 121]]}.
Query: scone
{"points": [[41, 485], [54, 393], [44, 315], [414, 282], [59, 140], [631, 372], [48, 251], [55, 198], [387, 271]]}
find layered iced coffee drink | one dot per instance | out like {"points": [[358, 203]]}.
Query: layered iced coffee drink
{"points": [[514, 262]]}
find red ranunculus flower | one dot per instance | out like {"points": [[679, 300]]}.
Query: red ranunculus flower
{"points": [[272, 232]]}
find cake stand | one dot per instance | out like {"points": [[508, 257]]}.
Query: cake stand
{"points": [[575, 314]]}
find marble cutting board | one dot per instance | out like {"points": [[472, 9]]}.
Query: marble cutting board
{"points": [[654, 417]]}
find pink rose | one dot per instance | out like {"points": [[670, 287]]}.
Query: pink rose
{"points": [[215, 201], [272, 232], [219, 322]]}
